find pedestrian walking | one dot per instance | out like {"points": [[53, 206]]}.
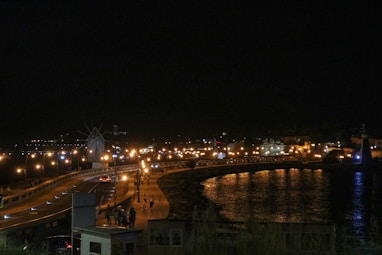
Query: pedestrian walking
{"points": [[144, 205], [148, 179], [115, 214], [151, 202], [132, 216], [119, 215], [108, 214], [124, 220]]}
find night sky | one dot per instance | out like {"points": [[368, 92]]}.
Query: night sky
{"points": [[159, 69]]}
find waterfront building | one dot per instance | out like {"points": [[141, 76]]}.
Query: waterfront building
{"points": [[272, 147]]}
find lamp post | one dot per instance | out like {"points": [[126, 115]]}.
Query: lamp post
{"points": [[58, 164], [55, 163], [105, 159], [26, 163], [24, 170], [125, 180], [139, 179], [38, 167], [43, 164], [49, 154], [61, 158], [115, 181], [26, 160], [76, 156]]}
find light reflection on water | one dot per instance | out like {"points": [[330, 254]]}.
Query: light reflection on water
{"points": [[295, 195]]}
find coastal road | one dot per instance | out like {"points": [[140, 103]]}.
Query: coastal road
{"points": [[55, 201]]}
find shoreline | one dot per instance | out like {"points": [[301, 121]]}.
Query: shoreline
{"points": [[183, 189]]}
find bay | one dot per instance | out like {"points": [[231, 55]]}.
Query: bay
{"points": [[351, 199]]}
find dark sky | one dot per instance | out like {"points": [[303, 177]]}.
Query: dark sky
{"points": [[158, 69]]}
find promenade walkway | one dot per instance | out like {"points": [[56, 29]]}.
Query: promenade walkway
{"points": [[159, 210]]}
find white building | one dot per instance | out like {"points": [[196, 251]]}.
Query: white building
{"points": [[108, 240]]}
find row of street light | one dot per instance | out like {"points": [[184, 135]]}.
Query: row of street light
{"points": [[41, 164], [38, 162]]}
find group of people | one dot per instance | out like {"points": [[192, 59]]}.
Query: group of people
{"points": [[122, 217]]}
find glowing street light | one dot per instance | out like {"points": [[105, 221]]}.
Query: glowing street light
{"points": [[26, 160], [55, 164], [138, 177], [40, 167], [22, 170], [44, 154], [76, 156], [105, 159], [61, 159]]}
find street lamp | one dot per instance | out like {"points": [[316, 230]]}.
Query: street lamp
{"points": [[19, 170], [76, 158], [105, 159], [55, 164], [61, 158], [26, 160], [38, 167], [139, 180], [115, 180], [44, 154], [125, 179], [80, 164]]}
